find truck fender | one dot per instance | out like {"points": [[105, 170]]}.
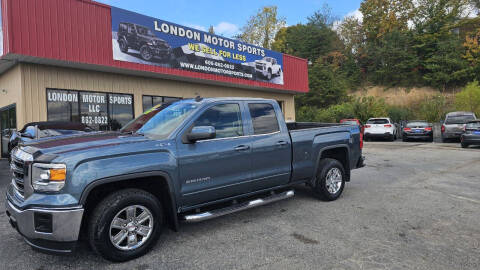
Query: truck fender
{"points": [[172, 212], [347, 168]]}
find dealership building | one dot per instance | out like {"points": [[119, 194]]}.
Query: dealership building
{"points": [[83, 61]]}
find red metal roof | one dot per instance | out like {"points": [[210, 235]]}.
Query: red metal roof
{"points": [[79, 31]]}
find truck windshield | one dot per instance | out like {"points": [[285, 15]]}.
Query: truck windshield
{"points": [[160, 121]]}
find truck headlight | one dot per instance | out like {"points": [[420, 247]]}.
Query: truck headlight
{"points": [[48, 177]]}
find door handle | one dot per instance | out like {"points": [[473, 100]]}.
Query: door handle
{"points": [[281, 143], [242, 148]]}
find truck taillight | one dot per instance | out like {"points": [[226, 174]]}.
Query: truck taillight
{"points": [[361, 140], [367, 126], [428, 129], [407, 129], [387, 125], [443, 128]]}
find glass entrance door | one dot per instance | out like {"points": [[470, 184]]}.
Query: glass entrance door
{"points": [[8, 124]]}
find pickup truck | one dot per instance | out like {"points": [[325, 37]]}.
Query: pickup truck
{"points": [[186, 161], [268, 67]]}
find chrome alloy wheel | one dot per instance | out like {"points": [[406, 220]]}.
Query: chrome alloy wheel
{"points": [[334, 180], [131, 227]]}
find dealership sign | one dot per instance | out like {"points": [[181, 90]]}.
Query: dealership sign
{"points": [[141, 39]]}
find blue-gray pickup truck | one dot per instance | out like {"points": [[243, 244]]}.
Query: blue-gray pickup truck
{"points": [[186, 161]]}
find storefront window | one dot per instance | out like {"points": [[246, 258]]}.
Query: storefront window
{"points": [[150, 101], [62, 105], [100, 111], [120, 108], [93, 110]]}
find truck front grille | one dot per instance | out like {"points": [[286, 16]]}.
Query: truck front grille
{"points": [[19, 171], [260, 67]]}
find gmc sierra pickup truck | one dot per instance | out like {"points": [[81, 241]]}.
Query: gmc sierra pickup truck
{"points": [[186, 161]]}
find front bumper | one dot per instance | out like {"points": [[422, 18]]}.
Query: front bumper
{"points": [[160, 51], [65, 227]]}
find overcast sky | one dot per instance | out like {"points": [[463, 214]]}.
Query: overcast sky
{"points": [[228, 16]]}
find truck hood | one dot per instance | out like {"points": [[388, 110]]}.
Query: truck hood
{"points": [[95, 143]]}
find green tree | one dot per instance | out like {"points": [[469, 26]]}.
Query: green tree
{"points": [[393, 59], [211, 30], [262, 27], [469, 98], [383, 16]]}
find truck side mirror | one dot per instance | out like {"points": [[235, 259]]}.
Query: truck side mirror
{"points": [[201, 133]]}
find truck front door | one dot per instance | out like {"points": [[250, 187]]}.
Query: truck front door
{"points": [[216, 168]]}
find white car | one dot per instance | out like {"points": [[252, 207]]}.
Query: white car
{"points": [[380, 128], [268, 67]]}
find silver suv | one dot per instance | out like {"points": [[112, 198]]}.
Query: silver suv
{"points": [[454, 123]]}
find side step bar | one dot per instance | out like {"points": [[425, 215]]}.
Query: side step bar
{"points": [[237, 207]]}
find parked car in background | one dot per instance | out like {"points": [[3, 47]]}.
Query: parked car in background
{"points": [[38, 130], [382, 128], [454, 124], [471, 136], [418, 129]]}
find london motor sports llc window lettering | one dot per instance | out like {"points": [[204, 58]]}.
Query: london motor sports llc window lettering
{"points": [[101, 111]]}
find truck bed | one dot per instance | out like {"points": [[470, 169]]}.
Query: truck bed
{"points": [[308, 125], [309, 139]]}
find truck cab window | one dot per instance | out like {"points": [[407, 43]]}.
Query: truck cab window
{"points": [[225, 118], [263, 118]]}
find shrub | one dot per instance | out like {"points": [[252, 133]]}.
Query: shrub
{"points": [[469, 98]]}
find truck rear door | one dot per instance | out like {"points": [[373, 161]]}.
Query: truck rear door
{"points": [[271, 153], [216, 168]]}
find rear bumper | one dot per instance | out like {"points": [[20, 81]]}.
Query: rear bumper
{"points": [[451, 135], [470, 139], [63, 227], [378, 135], [417, 136], [360, 162]]}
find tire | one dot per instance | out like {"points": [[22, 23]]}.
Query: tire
{"points": [[464, 145], [269, 74], [321, 189], [145, 53], [392, 138], [444, 140], [123, 45], [101, 220]]}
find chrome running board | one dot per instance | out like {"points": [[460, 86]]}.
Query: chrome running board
{"points": [[191, 218]]}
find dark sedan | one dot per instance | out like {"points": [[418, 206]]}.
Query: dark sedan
{"points": [[471, 136], [418, 130]]}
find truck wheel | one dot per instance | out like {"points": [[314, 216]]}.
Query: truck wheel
{"points": [[125, 225], [123, 46], [269, 74], [145, 53], [330, 180]]}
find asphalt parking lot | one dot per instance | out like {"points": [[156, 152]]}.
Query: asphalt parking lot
{"points": [[414, 206]]}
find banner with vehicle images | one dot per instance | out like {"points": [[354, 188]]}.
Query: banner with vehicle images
{"points": [[1, 30], [142, 39]]}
